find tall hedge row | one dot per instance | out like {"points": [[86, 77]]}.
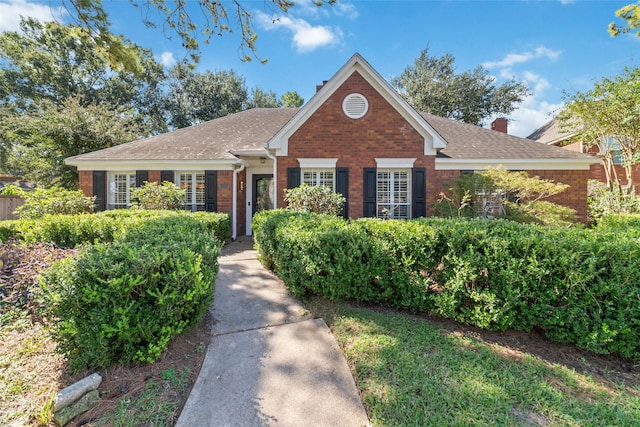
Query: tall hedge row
{"points": [[73, 230], [122, 301], [576, 285]]}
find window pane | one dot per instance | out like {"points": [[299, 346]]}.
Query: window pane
{"points": [[394, 195], [318, 177]]}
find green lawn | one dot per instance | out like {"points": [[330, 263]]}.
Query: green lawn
{"points": [[412, 373]]}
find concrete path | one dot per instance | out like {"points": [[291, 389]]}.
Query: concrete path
{"points": [[269, 362]]}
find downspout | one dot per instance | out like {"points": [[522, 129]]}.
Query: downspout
{"points": [[275, 177], [234, 203]]}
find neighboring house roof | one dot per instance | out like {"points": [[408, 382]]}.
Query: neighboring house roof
{"points": [[550, 133]]}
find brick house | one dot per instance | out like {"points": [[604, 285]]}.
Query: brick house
{"points": [[356, 135], [551, 133]]}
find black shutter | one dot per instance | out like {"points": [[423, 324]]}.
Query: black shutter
{"points": [[419, 193], [370, 192], [167, 176], [141, 178], [342, 187], [293, 177], [211, 191], [100, 189]]}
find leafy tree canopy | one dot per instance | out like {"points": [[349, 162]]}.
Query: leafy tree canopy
{"points": [[53, 62], [195, 97], [215, 18], [39, 140], [630, 14], [610, 110], [432, 85], [291, 99], [262, 99]]}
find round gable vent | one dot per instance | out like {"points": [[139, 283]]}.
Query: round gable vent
{"points": [[355, 106]]}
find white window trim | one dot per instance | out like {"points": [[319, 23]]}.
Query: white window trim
{"points": [[395, 163], [193, 206], [391, 171], [318, 171], [111, 203], [317, 163]]}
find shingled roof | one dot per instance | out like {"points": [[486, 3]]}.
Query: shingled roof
{"points": [[466, 141], [550, 133], [223, 138], [215, 139]]}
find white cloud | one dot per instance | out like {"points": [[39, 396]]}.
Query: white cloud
{"points": [[167, 59], [519, 58], [346, 9], [11, 10], [531, 115], [306, 37], [565, 2]]}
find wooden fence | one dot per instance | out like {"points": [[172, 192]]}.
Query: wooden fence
{"points": [[8, 204]]}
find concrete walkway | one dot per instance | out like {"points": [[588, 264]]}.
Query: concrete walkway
{"points": [[269, 362]]}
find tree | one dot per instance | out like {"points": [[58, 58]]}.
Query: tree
{"points": [[42, 137], [631, 15], [195, 97], [216, 19], [291, 100], [608, 116], [432, 85], [499, 193], [262, 99], [53, 62]]}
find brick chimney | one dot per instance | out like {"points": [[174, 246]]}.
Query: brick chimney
{"points": [[318, 87], [499, 125]]}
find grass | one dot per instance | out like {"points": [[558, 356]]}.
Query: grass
{"points": [[412, 372]]}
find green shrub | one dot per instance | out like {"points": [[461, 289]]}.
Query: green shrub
{"points": [[158, 196], [54, 201], [122, 302], [73, 230], [315, 199], [574, 284], [603, 201]]}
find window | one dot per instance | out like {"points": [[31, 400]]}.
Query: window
{"points": [[394, 193], [120, 185], [319, 177], [611, 145], [193, 185]]}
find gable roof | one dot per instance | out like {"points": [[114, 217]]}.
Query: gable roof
{"points": [[432, 140], [217, 139], [550, 133]]}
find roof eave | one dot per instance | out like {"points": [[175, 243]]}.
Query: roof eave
{"points": [[516, 164]]}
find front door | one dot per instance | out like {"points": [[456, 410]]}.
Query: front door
{"points": [[262, 193]]}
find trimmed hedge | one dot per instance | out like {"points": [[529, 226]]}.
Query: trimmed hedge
{"points": [[576, 285], [72, 230], [121, 302]]}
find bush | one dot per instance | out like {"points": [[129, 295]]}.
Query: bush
{"points": [[499, 193], [54, 201], [72, 230], [603, 201], [122, 302], [314, 199], [158, 196], [576, 285]]}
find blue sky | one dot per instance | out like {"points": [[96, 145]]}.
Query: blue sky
{"points": [[552, 45]]}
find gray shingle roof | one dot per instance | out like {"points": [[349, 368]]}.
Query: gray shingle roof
{"points": [[215, 139], [249, 130], [466, 141], [550, 133]]}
